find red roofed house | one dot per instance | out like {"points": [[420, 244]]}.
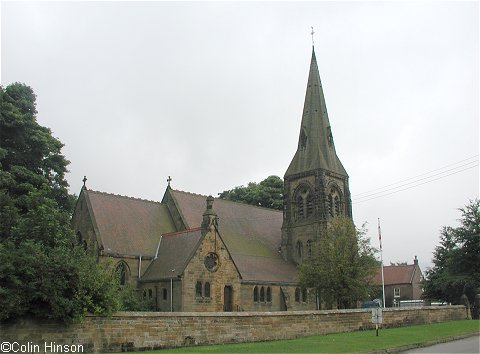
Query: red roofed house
{"points": [[402, 282], [193, 253]]}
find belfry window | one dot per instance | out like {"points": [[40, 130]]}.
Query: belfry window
{"points": [[304, 201], [309, 205], [334, 203], [300, 208], [337, 205]]}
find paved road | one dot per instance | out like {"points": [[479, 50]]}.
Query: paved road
{"points": [[467, 345]]}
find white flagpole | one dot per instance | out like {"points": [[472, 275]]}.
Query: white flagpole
{"points": [[381, 261]]}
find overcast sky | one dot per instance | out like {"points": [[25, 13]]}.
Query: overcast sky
{"points": [[211, 93]]}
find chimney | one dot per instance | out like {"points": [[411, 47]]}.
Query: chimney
{"points": [[209, 217]]}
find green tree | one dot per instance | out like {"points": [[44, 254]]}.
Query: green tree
{"points": [[341, 266], [42, 272], [456, 269], [131, 299], [268, 193]]}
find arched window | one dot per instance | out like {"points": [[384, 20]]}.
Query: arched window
{"points": [[310, 209], [122, 275], [305, 206], [79, 238], [330, 205], [150, 293], [304, 295], [144, 294], [309, 248], [297, 294], [165, 293], [299, 247], [206, 291], [300, 210], [198, 289], [269, 294], [255, 294], [334, 202], [262, 294]]}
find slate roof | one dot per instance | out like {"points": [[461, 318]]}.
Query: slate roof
{"points": [[315, 131], [174, 253], [128, 226], [396, 274], [251, 234]]}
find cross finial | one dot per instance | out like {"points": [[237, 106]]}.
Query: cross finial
{"points": [[312, 33], [169, 179], [84, 180]]}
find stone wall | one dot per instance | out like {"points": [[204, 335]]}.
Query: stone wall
{"points": [[130, 330]]}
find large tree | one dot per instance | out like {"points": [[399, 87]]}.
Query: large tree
{"points": [[42, 272], [456, 266], [341, 265], [268, 193]]}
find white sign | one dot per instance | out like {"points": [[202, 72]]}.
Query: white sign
{"points": [[377, 315]]}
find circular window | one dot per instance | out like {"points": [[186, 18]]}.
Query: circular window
{"points": [[211, 261]]}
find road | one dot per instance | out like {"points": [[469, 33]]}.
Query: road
{"points": [[467, 345]]}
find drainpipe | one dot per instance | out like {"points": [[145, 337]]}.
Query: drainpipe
{"points": [[139, 266], [171, 292]]}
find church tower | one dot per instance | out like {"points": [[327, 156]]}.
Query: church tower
{"points": [[316, 183]]}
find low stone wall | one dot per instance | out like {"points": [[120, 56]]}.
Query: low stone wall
{"points": [[134, 330]]}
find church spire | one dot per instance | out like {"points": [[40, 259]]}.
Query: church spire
{"points": [[316, 149]]}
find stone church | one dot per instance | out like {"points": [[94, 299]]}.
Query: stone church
{"points": [[191, 252]]}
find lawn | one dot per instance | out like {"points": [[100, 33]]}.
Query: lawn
{"points": [[354, 342]]}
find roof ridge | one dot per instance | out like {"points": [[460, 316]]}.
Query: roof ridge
{"points": [[183, 231], [230, 201], [185, 192], [123, 196], [400, 265], [250, 205]]}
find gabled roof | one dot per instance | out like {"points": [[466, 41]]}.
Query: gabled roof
{"points": [[396, 274], [174, 253], [128, 226], [251, 234], [316, 149]]}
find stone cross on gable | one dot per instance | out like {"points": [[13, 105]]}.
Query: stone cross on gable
{"points": [[169, 179], [84, 180]]}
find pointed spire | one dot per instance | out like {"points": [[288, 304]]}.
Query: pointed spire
{"points": [[316, 149]]}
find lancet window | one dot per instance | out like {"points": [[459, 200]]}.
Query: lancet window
{"points": [[122, 273], [299, 247], [334, 203], [305, 206]]}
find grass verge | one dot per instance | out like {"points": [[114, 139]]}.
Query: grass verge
{"points": [[353, 342]]}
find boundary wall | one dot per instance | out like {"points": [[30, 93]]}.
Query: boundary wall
{"points": [[126, 331]]}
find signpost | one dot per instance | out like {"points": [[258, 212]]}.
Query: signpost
{"points": [[377, 317]]}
